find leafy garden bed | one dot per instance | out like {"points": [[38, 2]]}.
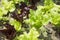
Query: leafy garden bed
{"points": [[29, 20]]}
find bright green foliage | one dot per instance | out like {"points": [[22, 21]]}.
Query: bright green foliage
{"points": [[17, 1], [50, 12], [48, 2], [34, 20], [43, 15], [16, 24], [32, 35], [2, 11], [43, 31], [8, 6], [38, 17]]}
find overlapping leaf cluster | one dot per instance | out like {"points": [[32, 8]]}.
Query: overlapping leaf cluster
{"points": [[14, 11]]}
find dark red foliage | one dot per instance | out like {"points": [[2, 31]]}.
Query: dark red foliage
{"points": [[19, 17], [32, 7], [10, 32], [21, 5], [24, 12], [33, 2], [16, 16]]}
